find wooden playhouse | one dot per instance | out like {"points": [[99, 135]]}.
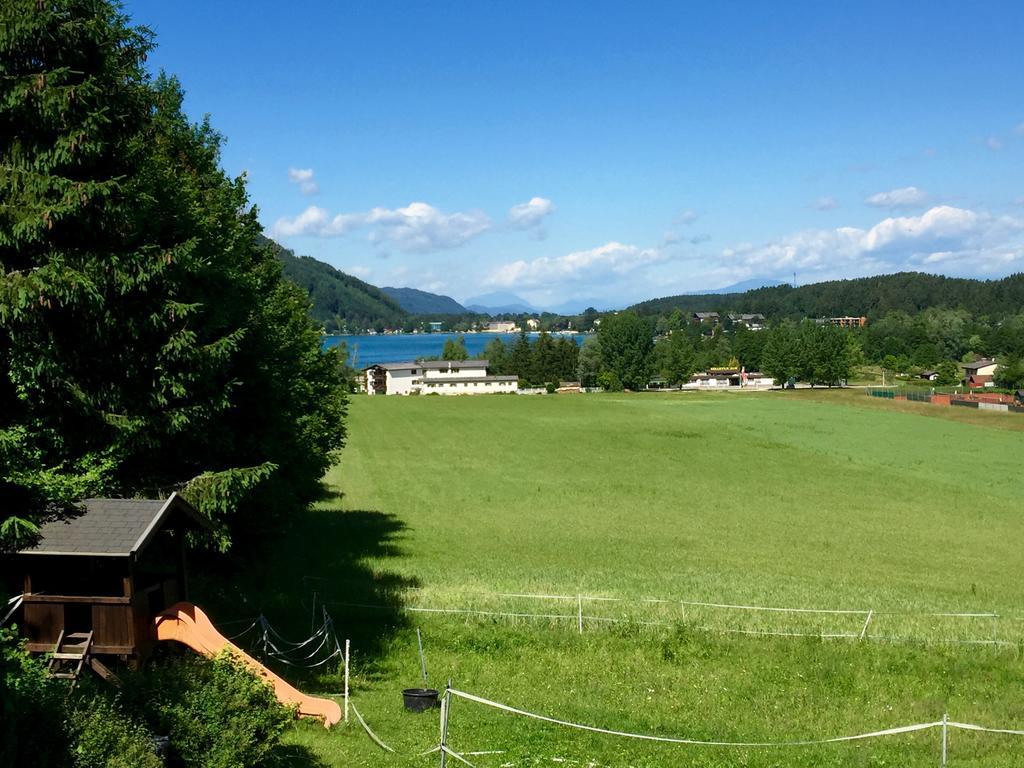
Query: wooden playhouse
{"points": [[93, 583]]}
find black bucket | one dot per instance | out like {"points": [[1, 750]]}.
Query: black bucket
{"points": [[420, 699]]}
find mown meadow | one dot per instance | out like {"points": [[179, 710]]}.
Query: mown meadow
{"points": [[810, 500]]}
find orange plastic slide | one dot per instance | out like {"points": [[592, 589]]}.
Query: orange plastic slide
{"points": [[187, 624]]}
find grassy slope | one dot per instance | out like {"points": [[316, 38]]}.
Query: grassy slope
{"points": [[780, 499]]}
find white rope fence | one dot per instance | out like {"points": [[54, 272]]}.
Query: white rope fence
{"points": [[944, 724], [866, 627]]}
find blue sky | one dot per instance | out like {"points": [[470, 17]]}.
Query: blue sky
{"points": [[616, 151]]}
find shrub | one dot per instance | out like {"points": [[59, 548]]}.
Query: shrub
{"points": [[550, 387], [102, 736], [31, 709], [217, 712]]}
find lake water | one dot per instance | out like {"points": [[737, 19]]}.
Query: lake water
{"points": [[400, 347]]}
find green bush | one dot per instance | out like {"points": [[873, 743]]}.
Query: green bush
{"points": [[217, 712], [102, 736], [550, 387], [31, 709]]}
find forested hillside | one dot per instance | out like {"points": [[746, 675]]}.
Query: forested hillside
{"points": [[417, 302], [341, 302], [910, 292]]}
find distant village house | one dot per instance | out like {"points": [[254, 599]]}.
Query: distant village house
{"points": [[724, 378], [980, 373], [501, 326], [443, 377], [707, 317], [753, 322]]}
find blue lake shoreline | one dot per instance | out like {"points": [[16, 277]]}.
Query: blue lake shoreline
{"points": [[367, 350]]}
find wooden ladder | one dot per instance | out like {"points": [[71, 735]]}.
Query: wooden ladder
{"points": [[69, 655]]}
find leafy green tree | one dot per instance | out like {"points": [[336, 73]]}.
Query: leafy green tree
{"points": [[147, 339], [496, 356], [780, 358], [949, 374], [544, 367], [567, 353], [835, 354], [520, 361], [455, 349], [675, 358], [626, 345], [588, 364], [1010, 373]]}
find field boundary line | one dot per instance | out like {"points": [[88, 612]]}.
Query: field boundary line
{"points": [[944, 723]]}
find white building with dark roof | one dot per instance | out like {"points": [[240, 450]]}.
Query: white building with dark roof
{"points": [[442, 377]]}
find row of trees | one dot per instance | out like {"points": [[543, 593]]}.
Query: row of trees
{"points": [[624, 353], [545, 360], [148, 341]]}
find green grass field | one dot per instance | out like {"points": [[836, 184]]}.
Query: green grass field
{"points": [[811, 500]]}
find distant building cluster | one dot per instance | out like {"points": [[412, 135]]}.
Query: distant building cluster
{"points": [[752, 321], [843, 322], [442, 377], [721, 378]]}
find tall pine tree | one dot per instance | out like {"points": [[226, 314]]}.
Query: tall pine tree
{"points": [[147, 342]]}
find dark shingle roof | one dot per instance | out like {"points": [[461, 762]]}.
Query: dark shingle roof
{"points": [[977, 364], [110, 527]]}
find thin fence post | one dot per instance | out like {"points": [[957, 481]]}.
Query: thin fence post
{"points": [[579, 611], [446, 703], [423, 660], [945, 738], [346, 678]]}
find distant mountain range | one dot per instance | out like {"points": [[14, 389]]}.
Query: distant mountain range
{"points": [[417, 302], [498, 303], [503, 303], [342, 301]]}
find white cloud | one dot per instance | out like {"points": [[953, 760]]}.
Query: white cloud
{"points": [[958, 238], [416, 227], [827, 203], [904, 197], [610, 259], [304, 178], [531, 215], [994, 143], [687, 216], [358, 271]]}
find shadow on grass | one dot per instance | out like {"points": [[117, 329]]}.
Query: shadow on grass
{"points": [[295, 756], [319, 562]]}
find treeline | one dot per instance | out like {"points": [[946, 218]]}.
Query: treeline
{"points": [[545, 360], [625, 354], [873, 297], [628, 349]]}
